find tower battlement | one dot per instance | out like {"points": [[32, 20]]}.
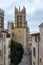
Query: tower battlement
{"points": [[20, 11], [20, 17]]}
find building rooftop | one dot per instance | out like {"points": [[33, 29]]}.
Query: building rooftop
{"points": [[35, 34], [4, 30], [41, 24]]}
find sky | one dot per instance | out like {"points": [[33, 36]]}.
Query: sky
{"points": [[34, 12]]}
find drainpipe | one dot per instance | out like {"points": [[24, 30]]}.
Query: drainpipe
{"points": [[38, 49]]}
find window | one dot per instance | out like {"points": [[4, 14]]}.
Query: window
{"points": [[20, 20], [4, 49], [17, 17], [19, 30], [39, 38], [4, 60], [8, 35], [20, 17], [33, 63], [40, 60], [17, 20], [20, 23], [2, 19], [26, 62], [9, 56], [36, 38], [17, 24], [0, 52], [34, 51]]}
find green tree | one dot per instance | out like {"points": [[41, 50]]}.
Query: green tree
{"points": [[16, 52]]}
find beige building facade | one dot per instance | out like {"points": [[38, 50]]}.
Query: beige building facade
{"points": [[37, 47], [41, 45], [1, 49]]}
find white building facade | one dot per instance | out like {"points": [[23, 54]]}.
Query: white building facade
{"points": [[37, 47]]}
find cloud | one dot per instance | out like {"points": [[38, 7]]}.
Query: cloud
{"points": [[38, 3], [5, 3], [12, 3], [31, 5]]}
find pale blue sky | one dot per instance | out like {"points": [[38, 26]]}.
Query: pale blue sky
{"points": [[34, 12]]}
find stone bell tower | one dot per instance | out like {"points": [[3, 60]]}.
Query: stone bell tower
{"points": [[20, 30]]}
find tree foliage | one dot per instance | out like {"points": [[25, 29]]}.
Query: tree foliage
{"points": [[16, 52]]}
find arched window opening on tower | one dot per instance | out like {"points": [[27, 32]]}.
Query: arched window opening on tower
{"points": [[17, 17], [17, 20], [20, 17], [17, 24], [20, 23], [20, 20]]}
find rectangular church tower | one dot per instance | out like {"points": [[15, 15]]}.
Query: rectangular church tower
{"points": [[20, 30]]}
